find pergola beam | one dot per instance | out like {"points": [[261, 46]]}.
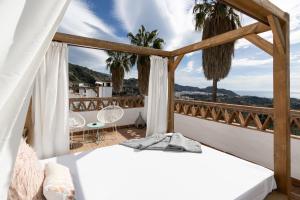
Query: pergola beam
{"points": [[257, 9], [107, 45], [223, 38], [277, 33], [260, 43]]}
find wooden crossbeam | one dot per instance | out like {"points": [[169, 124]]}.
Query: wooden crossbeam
{"points": [[260, 43], [107, 45], [277, 33], [223, 38], [176, 62], [257, 9]]}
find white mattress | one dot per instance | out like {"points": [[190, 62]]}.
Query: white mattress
{"points": [[121, 173]]}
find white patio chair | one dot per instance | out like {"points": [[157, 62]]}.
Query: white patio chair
{"points": [[110, 115], [76, 122]]}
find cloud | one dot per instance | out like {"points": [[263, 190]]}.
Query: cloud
{"points": [[295, 58], [81, 20], [186, 78], [241, 62], [189, 67], [173, 19], [91, 58]]}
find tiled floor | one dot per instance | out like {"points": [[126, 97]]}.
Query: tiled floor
{"points": [[109, 138]]}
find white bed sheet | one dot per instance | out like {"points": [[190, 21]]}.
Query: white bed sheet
{"points": [[122, 173]]}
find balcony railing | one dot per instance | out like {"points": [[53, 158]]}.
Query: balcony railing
{"points": [[92, 104], [260, 118]]}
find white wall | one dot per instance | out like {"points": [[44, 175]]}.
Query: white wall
{"points": [[90, 93], [252, 145], [129, 117], [105, 91]]}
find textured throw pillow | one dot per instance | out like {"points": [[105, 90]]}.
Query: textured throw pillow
{"points": [[28, 175], [58, 184]]}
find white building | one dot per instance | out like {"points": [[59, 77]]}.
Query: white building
{"points": [[104, 88]]}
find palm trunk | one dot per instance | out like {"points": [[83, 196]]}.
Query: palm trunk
{"points": [[214, 90]]}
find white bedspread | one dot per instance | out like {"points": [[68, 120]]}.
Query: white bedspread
{"points": [[122, 173]]}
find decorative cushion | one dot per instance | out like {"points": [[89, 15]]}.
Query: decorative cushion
{"points": [[28, 175], [58, 184]]}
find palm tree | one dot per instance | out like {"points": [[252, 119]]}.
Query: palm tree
{"points": [[215, 18], [146, 39], [118, 63]]}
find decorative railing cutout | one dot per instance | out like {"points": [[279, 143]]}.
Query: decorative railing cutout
{"points": [[92, 104], [260, 118]]}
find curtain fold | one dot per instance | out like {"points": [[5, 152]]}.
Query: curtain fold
{"points": [[50, 103], [157, 96], [28, 28]]}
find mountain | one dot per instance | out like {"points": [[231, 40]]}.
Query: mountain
{"points": [[180, 88], [207, 90], [79, 74]]}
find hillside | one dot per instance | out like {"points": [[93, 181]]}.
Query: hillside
{"points": [[79, 74], [181, 88]]}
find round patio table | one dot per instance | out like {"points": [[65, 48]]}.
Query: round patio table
{"points": [[97, 126]]}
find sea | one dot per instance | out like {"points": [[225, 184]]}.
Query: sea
{"points": [[267, 94]]}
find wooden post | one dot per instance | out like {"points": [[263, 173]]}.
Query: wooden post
{"points": [[171, 82], [172, 65], [281, 84]]}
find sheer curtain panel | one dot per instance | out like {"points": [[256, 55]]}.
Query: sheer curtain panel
{"points": [[28, 27], [50, 103], [157, 96]]}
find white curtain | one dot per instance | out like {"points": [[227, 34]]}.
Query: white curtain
{"points": [[157, 96], [50, 103], [28, 27]]}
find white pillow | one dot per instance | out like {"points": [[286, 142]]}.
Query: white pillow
{"points": [[28, 175], [58, 184]]}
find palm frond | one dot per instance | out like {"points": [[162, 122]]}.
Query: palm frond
{"points": [[118, 63], [146, 39], [215, 18]]}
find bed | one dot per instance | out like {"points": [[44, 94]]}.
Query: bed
{"points": [[118, 172]]}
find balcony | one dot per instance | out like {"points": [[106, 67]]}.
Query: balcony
{"points": [[235, 129]]}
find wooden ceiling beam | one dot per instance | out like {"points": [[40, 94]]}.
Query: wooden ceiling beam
{"points": [[257, 9], [260, 43], [277, 33], [107, 45], [223, 38]]}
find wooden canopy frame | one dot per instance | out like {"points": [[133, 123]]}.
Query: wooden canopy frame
{"points": [[270, 17]]}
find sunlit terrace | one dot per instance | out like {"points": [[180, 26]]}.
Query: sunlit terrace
{"points": [[234, 129], [55, 144]]}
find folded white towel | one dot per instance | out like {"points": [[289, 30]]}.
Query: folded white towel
{"points": [[58, 184]]}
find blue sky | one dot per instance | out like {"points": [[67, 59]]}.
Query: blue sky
{"points": [[113, 19]]}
